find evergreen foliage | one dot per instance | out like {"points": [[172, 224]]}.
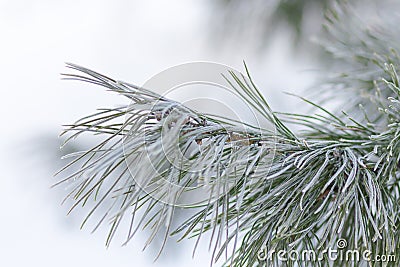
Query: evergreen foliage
{"points": [[337, 177]]}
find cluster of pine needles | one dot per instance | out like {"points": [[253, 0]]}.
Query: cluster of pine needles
{"points": [[273, 187]]}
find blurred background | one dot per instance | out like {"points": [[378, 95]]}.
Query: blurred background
{"points": [[130, 41]]}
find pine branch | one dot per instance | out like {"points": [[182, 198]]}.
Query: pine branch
{"points": [[360, 39], [338, 178]]}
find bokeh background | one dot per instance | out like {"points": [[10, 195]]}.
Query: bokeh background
{"points": [[130, 41]]}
